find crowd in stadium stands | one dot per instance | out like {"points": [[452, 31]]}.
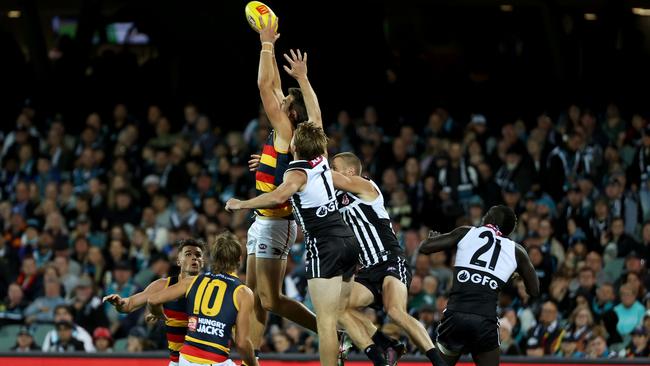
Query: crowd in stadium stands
{"points": [[82, 217]]}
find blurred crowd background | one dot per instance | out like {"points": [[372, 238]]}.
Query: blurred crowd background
{"points": [[95, 214], [126, 125]]}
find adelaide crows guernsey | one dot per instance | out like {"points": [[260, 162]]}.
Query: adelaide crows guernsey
{"points": [[269, 174], [176, 323], [212, 313]]}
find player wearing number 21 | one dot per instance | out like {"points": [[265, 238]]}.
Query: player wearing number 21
{"points": [[485, 261], [218, 304]]}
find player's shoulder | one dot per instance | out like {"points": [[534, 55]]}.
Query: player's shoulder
{"points": [[300, 164]]}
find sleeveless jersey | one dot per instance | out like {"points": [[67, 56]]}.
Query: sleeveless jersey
{"points": [[315, 207], [176, 323], [371, 225], [212, 313], [484, 263], [269, 175]]}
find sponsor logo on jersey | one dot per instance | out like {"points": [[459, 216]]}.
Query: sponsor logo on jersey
{"points": [[211, 327], [323, 210], [477, 278], [191, 323]]}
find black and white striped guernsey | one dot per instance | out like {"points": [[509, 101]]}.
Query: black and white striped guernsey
{"points": [[371, 225], [315, 208]]}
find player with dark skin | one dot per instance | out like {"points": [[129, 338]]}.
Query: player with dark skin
{"points": [[444, 242], [190, 260]]}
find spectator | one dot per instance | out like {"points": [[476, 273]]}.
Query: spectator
{"points": [[42, 309], [629, 312], [639, 346], [29, 279], [597, 348], [69, 280], [569, 348], [580, 327], [25, 341], [136, 341], [548, 330], [65, 341], [282, 343], [88, 307], [534, 348], [12, 308], [508, 345], [122, 285], [103, 340], [64, 314]]}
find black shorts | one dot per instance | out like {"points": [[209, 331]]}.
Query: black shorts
{"points": [[332, 256], [468, 333], [373, 277]]}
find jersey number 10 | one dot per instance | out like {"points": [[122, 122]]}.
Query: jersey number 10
{"points": [[204, 294], [495, 255]]}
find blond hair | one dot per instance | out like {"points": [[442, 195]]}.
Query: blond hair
{"points": [[309, 140]]}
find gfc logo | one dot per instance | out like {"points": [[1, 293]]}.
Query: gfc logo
{"points": [[464, 276]]}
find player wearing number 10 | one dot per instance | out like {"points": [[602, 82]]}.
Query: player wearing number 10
{"points": [[485, 261], [216, 302]]}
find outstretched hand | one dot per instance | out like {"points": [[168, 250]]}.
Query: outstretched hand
{"points": [[254, 163], [267, 31], [117, 301], [298, 63]]}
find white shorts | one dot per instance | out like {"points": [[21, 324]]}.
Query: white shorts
{"points": [[271, 238], [172, 363], [182, 361]]}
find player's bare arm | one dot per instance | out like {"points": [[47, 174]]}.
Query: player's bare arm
{"points": [[293, 182], [267, 84], [168, 294], [437, 243], [298, 70], [526, 270], [245, 300], [355, 185], [135, 302]]}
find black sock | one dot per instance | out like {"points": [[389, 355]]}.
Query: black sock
{"points": [[257, 353], [435, 357], [374, 354], [382, 341]]}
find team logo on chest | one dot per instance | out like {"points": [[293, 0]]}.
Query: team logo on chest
{"points": [[345, 200], [191, 323]]}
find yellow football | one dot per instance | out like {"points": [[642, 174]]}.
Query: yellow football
{"points": [[254, 10]]}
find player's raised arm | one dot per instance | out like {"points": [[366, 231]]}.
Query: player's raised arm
{"points": [[438, 242], [242, 340], [135, 302], [298, 70], [293, 181], [526, 270], [268, 81]]}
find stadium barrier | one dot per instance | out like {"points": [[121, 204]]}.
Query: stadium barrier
{"points": [[158, 359]]}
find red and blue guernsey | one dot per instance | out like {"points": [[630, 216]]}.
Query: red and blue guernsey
{"points": [[176, 323]]}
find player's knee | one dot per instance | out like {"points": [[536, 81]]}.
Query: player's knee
{"points": [[269, 301], [396, 313]]}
